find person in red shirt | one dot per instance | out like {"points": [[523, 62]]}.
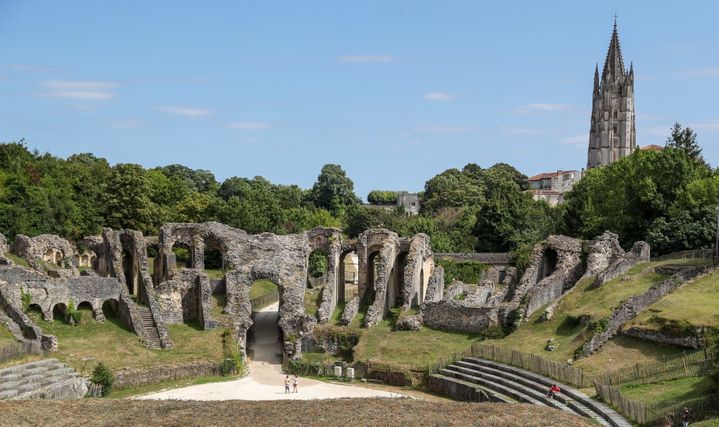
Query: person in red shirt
{"points": [[554, 389]]}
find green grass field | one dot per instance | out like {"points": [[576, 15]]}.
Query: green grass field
{"points": [[679, 389], [261, 288], [696, 303], [594, 304], [84, 345]]}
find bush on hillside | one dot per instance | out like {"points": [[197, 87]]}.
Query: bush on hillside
{"points": [[465, 271], [103, 376], [377, 197]]}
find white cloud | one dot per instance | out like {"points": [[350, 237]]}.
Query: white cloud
{"points": [[438, 96], [541, 107], [248, 125], [434, 128], [576, 140], [77, 89], [185, 111], [709, 125], [367, 58], [702, 72], [522, 131]]}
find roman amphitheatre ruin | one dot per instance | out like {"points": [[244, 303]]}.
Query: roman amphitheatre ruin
{"points": [[112, 275]]}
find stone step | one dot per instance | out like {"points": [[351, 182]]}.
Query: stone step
{"points": [[37, 380], [494, 395], [576, 406], [54, 390], [608, 414], [507, 391], [30, 365]]}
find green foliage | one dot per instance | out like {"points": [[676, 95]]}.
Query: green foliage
{"points": [[378, 197], [103, 376], [74, 316], [127, 200], [333, 190], [685, 139], [234, 361], [659, 196], [318, 264], [26, 299], [464, 271]]}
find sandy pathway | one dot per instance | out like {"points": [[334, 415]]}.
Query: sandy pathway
{"points": [[266, 381]]}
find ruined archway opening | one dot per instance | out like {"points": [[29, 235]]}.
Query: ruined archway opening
{"points": [[549, 263], [34, 311], [86, 312], [265, 337], [109, 309], [348, 277], [183, 255], [59, 312], [130, 271], [396, 279], [370, 291], [317, 266]]}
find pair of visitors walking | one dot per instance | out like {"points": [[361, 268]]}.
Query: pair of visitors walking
{"points": [[294, 381], [553, 390]]}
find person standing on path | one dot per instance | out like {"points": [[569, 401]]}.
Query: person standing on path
{"points": [[287, 384], [685, 417], [295, 382]]}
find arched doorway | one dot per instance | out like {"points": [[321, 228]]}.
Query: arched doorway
{"points": [[109, 309], [348, 277], [85, 308], [317, 266], [59, 312], [396, 279], [264, 338]]}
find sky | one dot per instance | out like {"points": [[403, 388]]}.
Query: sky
{"points": [[394, 91]]}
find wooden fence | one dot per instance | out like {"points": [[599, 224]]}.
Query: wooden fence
{"points": [[264, 300], [561, 372], [19, 349], [646, 413], [704, 254], [685, 365]]}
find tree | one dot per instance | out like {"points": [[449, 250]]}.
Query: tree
{"points": [[685, 139], [333, 190], [453, 189], [128, 203]]}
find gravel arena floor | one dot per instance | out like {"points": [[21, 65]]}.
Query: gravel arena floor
{"points": [[339, 412]]}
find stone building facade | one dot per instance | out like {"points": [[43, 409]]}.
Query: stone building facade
{"points": [[612, 134], [551, 186]]}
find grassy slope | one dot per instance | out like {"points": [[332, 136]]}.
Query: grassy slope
{"points": [[338, 412], [679, 389], [118, 347], [262, 287], [6, 337], [564, 327], [696, 303]]}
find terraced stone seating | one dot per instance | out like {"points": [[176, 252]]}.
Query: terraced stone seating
{"points": [[506, 384], [44, 379]]}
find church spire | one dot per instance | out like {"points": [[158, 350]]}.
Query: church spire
{"points": [[596, 78], [614, 64]]}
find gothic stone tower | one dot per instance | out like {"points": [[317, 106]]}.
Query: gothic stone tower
{"points": [[613, 134]]}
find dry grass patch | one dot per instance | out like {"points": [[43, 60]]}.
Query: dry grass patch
{"points": [[339, 412]]}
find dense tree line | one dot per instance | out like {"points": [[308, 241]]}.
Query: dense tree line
{"points": [[666, 197]]}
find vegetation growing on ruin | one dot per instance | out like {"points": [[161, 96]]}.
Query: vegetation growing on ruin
{"points": [[465, 271], [578, 312], [695, 304], [379, 197]]}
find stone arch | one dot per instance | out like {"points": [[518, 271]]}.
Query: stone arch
{"points": [[348, 277], [35, 308], [548, 265], [396, 280], [182, 254], [110, 308], [59, 312], [86, 305]]}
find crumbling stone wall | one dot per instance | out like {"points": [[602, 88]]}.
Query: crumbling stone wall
{"points": [[452, 315], [47, 248], [640, 252]]}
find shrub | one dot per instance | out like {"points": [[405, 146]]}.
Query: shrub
{"points": [[74, 315], [465, 271], [318, 264], [378, 197], [102, 375], [26, 300], [233, 362]]}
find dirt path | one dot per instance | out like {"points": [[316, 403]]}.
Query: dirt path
{"points": [[266, 380]]}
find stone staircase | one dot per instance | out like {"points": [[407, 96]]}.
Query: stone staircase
{"points": [[507, 384], [44, 379], [148, 325]]}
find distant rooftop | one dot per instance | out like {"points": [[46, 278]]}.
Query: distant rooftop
{"points": [[652, 147], [551, 174]]}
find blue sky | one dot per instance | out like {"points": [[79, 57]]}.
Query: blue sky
{"points": [[394, 91]]}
